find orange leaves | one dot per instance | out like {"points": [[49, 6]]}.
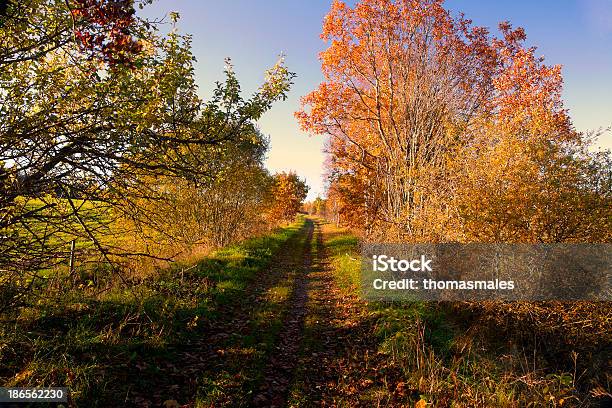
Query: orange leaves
{"points": [[527, 93], [289, 191], [321, 104], [415, 99], [332, 23], [391, 86], [421, 404], [528, 90]]}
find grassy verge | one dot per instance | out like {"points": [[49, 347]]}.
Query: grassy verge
{"points": [[250, 340], [165, 337], [447, 356]]}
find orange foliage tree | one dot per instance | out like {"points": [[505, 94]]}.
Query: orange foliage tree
{"points": [[288, 192], [421, 105]]}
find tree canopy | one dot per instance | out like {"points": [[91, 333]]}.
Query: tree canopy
{"points": [[99, 107], [439, 128]]}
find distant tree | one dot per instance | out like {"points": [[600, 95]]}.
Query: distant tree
{"points": [[288, 192], [319, 207]]}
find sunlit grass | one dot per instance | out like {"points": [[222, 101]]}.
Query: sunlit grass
{"points": [[82, 339]]}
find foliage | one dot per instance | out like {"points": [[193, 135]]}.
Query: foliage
{"points": [[101, 110], [207, 212], [521, 191], [434, 121], [289, 191]]}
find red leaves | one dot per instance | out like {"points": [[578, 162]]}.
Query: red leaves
{"points": [[103, 29]]}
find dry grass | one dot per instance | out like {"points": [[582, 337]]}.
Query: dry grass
{"points": [[487, 354]]}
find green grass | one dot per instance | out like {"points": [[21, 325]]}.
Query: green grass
{"points": [[117, 342], [241, 373], [346, 262]]}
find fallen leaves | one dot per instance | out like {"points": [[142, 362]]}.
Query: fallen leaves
{"points": [[171, 404]]}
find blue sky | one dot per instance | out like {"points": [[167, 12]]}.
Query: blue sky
{"points": [[574, 33]]}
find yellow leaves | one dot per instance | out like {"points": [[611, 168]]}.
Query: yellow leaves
{"points": [[421, 404], [22, 376], [193, 322]]}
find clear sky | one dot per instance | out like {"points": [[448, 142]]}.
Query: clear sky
{"points": [[574, 33]]}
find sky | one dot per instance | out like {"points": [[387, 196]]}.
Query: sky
{"points": [[574, 33]]}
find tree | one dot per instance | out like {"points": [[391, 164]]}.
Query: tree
{"points": [[92, 115], [206, 213], [522, 191], [396, 73], [105, 30], [288, 192], [411, 94]]}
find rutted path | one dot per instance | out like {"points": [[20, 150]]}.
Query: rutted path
{"points": [[323, 356], [292, 338], [321, 351], [299, 335], [280, 368], [226, 360], [338, 359]]}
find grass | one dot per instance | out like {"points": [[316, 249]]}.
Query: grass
{"points": [[208, 329], [247, 349], [447, 355], [109, 342]]}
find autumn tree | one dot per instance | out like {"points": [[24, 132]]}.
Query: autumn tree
{"points": [[525, 191], [397, 78], [410, 94], [105, 30], [288, 193], [319, 207]]}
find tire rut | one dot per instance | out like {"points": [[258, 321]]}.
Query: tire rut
{"points": [[338, 361], [280, 368]]}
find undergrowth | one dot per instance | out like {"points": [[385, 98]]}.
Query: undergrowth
{"points": [[465, 355], [92, 334]]}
